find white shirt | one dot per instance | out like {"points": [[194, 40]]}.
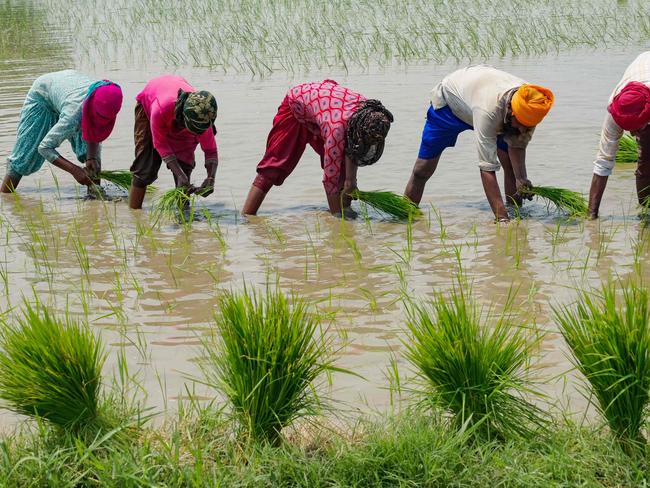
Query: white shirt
{"points": [[611, 133], [480, 96]]}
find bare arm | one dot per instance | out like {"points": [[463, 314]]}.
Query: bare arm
{"points": [[493, 194], [518, 163], [598, 184], [93, 164], [334, 200]]}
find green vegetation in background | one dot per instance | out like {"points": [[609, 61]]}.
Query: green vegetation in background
{"points": [[628, 151], [26, 33], [259, 37]]}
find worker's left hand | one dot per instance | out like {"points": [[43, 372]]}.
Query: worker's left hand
{"points": [[523, 185], [206, 188]]}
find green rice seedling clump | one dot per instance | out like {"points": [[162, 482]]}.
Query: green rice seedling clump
{"points": [[172, 204], [476, 371], [266, 358], [389, 204], [628, 151], [571, 202], [120, 178], [610, 346], [51, 368]]}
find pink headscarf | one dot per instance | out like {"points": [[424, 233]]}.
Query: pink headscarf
{"points": [[99, 111], [630, 109]]}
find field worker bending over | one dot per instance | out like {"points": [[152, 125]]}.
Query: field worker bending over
{"points": [[342, 126], [59, 106], [171, 119], [628, 110], [503, 111]]}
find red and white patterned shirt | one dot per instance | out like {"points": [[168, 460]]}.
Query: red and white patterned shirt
{"points": [[325, 108]]}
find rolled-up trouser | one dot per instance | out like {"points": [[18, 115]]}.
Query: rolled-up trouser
{"points": [[146, 164], [36, 120], [285, 145]]}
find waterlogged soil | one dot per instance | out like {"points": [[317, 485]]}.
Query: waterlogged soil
{"points": [[151, 288]]}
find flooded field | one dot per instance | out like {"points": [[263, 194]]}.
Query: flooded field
{"points": [[152, 286]]}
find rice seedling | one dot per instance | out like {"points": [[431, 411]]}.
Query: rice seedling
{"points": [[389, 204], [51, 368], [173, 204], [628, 151], [267, 358], [473, 370], [571, 202], [120, 178], [610, 345]]}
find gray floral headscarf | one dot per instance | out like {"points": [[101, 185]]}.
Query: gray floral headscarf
{"points": [[196, 111]]}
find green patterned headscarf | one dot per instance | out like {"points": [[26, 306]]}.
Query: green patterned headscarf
{"points": [[196, 111]]}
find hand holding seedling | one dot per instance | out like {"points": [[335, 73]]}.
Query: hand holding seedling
{"points": [[206, 188], [523, 188]]}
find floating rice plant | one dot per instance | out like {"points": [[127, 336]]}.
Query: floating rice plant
{"points": [[389, 204], [267, 357], [628, 151], [51, 368], [173, 204], [610, 345], [571, 202], [476, 371]]}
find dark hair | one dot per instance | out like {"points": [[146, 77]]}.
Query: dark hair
{"points": [[366, 131]]}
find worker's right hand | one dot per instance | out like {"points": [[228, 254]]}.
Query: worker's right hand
{"points": [[182, 181], [81, 176]]}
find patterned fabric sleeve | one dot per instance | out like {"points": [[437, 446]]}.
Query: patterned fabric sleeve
{"points": [[334, 158], [68, 123]]}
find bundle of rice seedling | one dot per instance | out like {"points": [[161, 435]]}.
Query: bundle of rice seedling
{"points": [[628, 152], [266, 358], [610, 346], [172, 204], [571, 202], [120, 178], [475, 371], [389, 203], [51, 368]]}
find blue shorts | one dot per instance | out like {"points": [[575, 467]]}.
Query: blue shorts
{"points": [[441, 131]]}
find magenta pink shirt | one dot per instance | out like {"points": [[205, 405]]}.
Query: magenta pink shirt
{"points": [[325, 108], [158, 99]]}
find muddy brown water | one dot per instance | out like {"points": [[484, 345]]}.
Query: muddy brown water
{"points": [[153, 289]]}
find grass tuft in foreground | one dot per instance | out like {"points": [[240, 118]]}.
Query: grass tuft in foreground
{"points": [[51, 368], [628, 151], [474, 370], [267, 357], [571, 202], [610, 344], [389, 204]]}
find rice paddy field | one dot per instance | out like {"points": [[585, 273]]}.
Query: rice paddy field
{"points": [[150, 286]]}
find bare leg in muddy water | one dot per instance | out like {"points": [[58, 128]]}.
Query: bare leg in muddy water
{"points": [[253, 201], [10, 183], [422, 171]]}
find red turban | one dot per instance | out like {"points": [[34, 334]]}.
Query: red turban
{"points": [[630, 109]]}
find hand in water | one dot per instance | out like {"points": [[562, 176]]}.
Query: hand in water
{"points": [[523, 185]]}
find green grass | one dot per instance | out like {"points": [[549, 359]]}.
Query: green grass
{"points": [[267, 357], [408, 451], [475, 370], [609, 337], [51, 368], [571, 202], [628, 151], [389, 204]]}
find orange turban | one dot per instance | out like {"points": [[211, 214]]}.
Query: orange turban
{"points": [[531, 103]]}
